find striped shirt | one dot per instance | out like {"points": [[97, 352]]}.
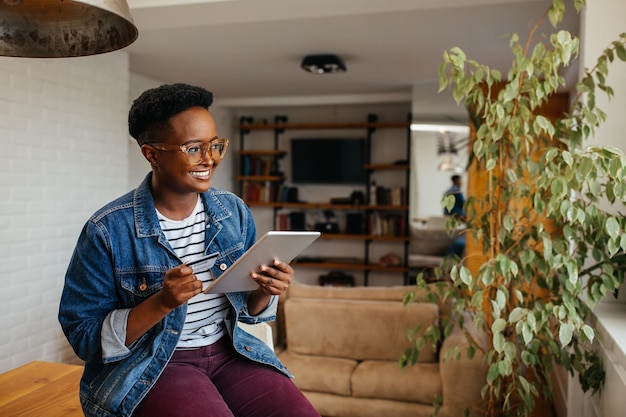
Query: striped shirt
{"points": [[204, 323]]}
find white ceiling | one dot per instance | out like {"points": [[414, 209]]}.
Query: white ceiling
{"points": [[243, 49]]}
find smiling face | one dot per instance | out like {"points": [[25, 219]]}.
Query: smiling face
{"points": [[173, 175]]}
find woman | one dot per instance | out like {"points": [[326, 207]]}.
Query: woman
{"points": [[132, 306]]}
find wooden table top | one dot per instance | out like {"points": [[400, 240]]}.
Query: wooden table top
{"points": [[41, 389]]}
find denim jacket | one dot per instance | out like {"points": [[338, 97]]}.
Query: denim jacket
{"points": [[119, 261]]}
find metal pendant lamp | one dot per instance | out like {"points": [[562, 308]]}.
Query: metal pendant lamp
{"points": [[64, 28], [447, 164]]}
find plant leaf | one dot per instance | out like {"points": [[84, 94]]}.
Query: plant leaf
{"points": [[565, 333]]}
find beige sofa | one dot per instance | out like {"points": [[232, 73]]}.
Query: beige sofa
{"points": [[342, 345]]}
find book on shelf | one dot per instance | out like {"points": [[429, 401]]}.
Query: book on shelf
{"points": [[259, 191], [256, 166], [391, 196], [282, 221], [387, 224], [293, 220], [286, 193]]}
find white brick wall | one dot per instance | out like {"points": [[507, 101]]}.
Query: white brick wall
{"points": [[63, 154]]}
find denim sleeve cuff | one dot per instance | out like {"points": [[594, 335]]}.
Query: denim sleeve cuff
{"points": [[268, 314], [113, 335]]}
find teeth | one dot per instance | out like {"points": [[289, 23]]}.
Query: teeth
{"points": [[200, 174]]}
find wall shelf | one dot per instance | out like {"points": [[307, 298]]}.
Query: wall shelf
{"points": [[385, 223]]}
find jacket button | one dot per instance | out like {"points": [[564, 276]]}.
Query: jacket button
{"points": [[248, 348], [223, 267]]}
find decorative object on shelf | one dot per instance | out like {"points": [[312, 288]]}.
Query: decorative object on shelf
{"points": [[327, 227], [323, 64], [330, 223], [57, 29], [372, 193], [357, 197], [390, 259], [545, 233]]}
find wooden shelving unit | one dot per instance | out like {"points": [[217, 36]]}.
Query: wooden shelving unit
{"points": [[372, 125]]}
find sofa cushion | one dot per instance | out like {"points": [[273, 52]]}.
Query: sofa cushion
{"points": [[355, 329], [384, 379], [321, 374]]}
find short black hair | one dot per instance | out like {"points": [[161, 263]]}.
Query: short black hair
{"points": [[150, 113], [455, 177]]}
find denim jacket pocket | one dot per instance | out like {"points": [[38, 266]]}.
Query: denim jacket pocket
{"points": [[139, 285]]}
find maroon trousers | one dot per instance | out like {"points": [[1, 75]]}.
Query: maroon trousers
{"points": [[215, 381]]}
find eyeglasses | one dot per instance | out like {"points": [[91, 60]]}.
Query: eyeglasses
{"points": [[196, 151]]}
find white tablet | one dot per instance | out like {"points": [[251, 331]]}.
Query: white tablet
{"points": [[283, 245]]}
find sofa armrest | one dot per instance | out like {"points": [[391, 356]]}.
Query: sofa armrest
{"points": [[462, 378]]}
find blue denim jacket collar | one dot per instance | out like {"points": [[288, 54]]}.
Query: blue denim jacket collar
{"points": [[146, 221]]}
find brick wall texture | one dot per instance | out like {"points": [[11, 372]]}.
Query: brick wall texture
{"points": [[63, 154]]}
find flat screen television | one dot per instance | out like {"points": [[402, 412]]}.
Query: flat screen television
{"points": [[328, 161]]}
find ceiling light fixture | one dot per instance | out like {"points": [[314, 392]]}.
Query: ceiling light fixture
{"points": [[447, 164], [323, 64], [56, 29], [449, 147]]}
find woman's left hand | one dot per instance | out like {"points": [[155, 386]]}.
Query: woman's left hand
{"points": [[274, 279]]}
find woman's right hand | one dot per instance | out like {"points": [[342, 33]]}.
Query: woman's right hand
{"points": [[179, 285]]}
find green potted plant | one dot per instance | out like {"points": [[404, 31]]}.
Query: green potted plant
{"points": [[549, 252]]}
